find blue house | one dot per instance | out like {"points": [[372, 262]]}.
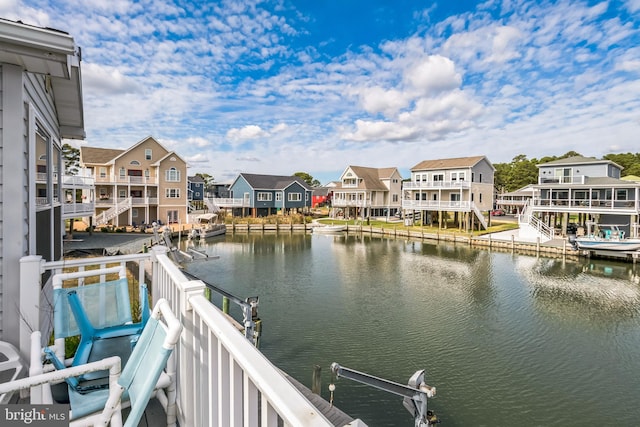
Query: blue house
{"points": [[196, 188], [264, 195]]}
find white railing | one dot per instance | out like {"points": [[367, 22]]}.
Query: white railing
{"points": [[226, 202], [479, 215], [528, 219], [135, 180], [338, 203], [412, 185], [436, 205], [222, 379], [113, 212], [78, 209], [77, 181]]}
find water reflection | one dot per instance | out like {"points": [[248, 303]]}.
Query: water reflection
{"points": [[591, 284], [506, 339]]}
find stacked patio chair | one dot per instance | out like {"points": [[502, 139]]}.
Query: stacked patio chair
{"points": [[134, 386]]}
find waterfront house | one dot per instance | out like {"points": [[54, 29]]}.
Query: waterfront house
{"points": [[40, 104], [587, 189], [138, 185], [321, 196], [366, 192], [195, 193], [263, 195], [460, 186]]}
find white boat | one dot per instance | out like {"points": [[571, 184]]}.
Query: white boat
{"points": [[205, 227], [329, 228], [607, 237]]}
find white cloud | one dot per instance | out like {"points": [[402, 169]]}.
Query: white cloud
{"points": [[245, 133], [433, 74]]}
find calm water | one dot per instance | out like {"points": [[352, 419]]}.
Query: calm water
{"points": [[507, 339]]}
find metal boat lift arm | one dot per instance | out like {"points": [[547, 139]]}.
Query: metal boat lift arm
{"points": [[249, 307], [415, 393]]}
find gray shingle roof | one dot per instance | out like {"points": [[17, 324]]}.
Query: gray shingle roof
{"points": [[272, 182]]}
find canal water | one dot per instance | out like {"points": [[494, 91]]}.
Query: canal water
{"points": [[506, 339]]}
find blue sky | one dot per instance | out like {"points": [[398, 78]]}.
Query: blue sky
{"points": [[283, 86]]}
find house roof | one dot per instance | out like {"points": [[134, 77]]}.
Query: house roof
{"points": [[605, 180], [577, 160], [370, 177], [54, 55], [98, 156], [527, 190], [273, 182], [453, 163], [195, 178]]}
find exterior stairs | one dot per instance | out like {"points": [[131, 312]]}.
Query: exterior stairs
{"points": [[532, 227], [113, 212]]}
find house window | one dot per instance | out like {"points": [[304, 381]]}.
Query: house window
{"points": [[172, 193], [461, 176], [147, 154], [172, 175], [122, 194], [294, 197], [123, 173], [264, 196], [103, 172], [621, 194], [146, 173], [134, 163], [395, 197], [480, 195], [103, 193], [134, 213], [438, 177], [278, 197], [480, 178], [197, 194], [306, 196]]}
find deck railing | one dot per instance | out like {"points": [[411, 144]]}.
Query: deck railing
{"points": [[222, 379]]}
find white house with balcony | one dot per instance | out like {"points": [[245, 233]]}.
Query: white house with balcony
{"points": [[367, 192], [580, 189], [458, 189]]}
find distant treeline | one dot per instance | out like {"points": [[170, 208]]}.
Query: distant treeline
{"points": [[522, 171]]}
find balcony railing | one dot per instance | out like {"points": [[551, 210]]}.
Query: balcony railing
{"points": [[75, 181], [424, 185], [225, 202], [221, 378], [135, 180], [436, 205], [561, 180], [73, 209], [587, 204]]}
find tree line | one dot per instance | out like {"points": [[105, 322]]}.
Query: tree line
{"points": [[522, 171]]}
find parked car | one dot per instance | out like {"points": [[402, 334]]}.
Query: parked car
{"points": [[497, 212]]}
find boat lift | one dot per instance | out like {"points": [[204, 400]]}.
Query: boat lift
{"points": [[250, 320], [415, 393]]}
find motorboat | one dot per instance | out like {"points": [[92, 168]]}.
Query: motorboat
{"points": [[206, 227], [324, 228], [607, 237]]}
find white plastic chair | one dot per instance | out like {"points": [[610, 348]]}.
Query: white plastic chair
{"points": [[12, 367], [136, 383]]}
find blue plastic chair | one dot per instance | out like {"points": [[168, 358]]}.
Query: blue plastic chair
{"points": [[101, 314], [135, 385]]}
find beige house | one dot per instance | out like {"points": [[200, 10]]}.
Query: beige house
{"points": [[139, 185], [367, 192]]}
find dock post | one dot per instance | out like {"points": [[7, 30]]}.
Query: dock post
{"points": [[225, 305], [513, 242], [316, 380], [538, 245]]}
